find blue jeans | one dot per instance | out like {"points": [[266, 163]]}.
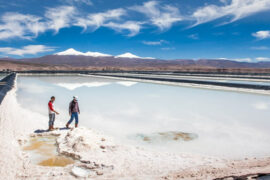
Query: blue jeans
{"points": [[51, 119], [74, 115]]}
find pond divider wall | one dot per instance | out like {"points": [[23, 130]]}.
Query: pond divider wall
{"points": [[6, 84], [200, 82]]}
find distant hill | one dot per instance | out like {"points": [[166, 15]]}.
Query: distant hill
{"points": [[75, 60], [12, 64], [82, 61], [111, 61]]}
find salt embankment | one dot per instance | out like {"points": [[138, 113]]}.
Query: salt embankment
{"points": [[16, 126], [247, 88]]}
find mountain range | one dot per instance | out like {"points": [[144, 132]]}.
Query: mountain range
{"points": [[72, 59]]}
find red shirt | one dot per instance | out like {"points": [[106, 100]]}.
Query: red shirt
{"points": [[50, 106]]}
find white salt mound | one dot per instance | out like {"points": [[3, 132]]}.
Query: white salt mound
{"points": [[79, 172]]}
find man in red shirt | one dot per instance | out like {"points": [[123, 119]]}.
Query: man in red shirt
{"points": [[52, 113]]}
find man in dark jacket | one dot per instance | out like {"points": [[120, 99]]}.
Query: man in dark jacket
{"points": [[74, 110]]}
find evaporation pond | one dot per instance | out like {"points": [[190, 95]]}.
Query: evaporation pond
{"points": [[161, 117]]}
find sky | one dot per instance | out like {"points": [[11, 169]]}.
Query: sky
{"points": [[164, 29]]}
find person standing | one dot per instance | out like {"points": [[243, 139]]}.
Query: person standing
{"points": [[74, 110], [52, 113]]}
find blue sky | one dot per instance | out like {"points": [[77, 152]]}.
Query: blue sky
{"points": [[166, 29]]}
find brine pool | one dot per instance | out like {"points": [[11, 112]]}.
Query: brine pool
{"points": [[160, 117]]}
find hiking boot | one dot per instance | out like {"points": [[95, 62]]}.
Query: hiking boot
{"points": [[67, 125], [76, 125]]}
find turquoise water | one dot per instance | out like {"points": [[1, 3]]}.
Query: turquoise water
{"points": [[225, 123]]}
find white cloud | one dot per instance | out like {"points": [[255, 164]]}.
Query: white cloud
{"points": [[194, 36], [236, 59], [237, 9], [16, 25], [242, 59], [60, 17], [261, 34], [247, 59], [96, 20], [73, 2], [110, 19], [162, 16], [260, 48], [159, 14], [30, 49], [155, 43], [167, 48], [133, 27], [263, 59]]}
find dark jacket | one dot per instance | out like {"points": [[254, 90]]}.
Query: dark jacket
{"points": [[74, 107]]}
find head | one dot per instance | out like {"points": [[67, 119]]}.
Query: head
{"points": [[75, 98], [52, 99]]}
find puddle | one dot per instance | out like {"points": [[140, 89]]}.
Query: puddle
{"points": [[43, 151], [57, 161], [167, 136], [173, 135]]}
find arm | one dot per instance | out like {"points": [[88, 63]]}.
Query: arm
{"points": [[78, 108], [69, 108]]}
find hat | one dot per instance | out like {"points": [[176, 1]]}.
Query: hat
{"points": [[75, 97]]}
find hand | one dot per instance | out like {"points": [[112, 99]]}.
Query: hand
{"points": [[57, 113]]}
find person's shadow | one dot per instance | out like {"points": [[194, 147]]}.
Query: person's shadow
{"points": [[38, 131], [41, 131]]}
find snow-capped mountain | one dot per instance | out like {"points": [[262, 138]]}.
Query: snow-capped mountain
{"points": [[127, 55], [130, 55], [73, 52], [70, 51], [96, 54]]}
